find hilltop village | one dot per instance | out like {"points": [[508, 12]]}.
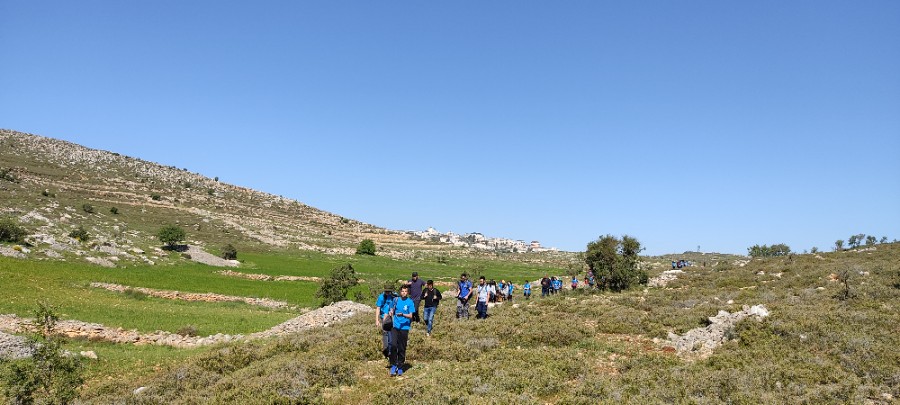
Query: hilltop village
{"points": [[476, 240]]}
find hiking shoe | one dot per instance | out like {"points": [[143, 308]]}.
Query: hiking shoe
{"points": [[393, 371], [399, 372]]}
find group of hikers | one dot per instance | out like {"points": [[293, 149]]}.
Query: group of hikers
{"points": [[396, 313], [681, 264]]}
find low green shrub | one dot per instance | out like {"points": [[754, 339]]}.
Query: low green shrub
{"points": [[229, 252], [10, 231], [80, 234]]}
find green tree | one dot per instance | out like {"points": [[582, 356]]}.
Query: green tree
{"points": [[170, 235], [335, 288], [870, 240], [229, 252], [769, 251], [10, 231], [615, 262], [49, 376], [80, 233], [838, 245], [855, 240], [366, 247]]}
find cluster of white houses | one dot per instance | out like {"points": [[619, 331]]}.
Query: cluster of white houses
{"points": [[476, 240]]}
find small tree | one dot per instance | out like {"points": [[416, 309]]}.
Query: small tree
{"points": [[229, 252], [49, 375], [155, 197], [335, 288], [10, 231], [88, 208], [855, 240], [870, 240], [80, 234], [114, 211], [838, 245], [615, 263], [170, 235], [883, 239], [814, 250], [366, 247]]}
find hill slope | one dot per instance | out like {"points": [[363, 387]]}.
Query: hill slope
{"points": [[54, 180]]}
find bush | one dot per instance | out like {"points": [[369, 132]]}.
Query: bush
{"points": [[229, 252], [49, 375], [335, 288], [88, 208], [155, 197], [114, 211], [366, 247], [188, 330], [171, 235], [6, 174], [135, 294], [80, 233], [10, 231]]}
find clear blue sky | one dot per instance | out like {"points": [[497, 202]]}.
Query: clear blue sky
{"points": [[718, 124]]}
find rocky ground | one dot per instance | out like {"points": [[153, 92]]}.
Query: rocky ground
{"points": [[13, 347], [699, 343], [266, 277]]}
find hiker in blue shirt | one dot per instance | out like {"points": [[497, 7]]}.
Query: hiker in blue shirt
{"points": [[462, 298], [484, 292], [384, 304], [402, 313], [574, 283], [509, 290], [527, 290], [501, 289]]}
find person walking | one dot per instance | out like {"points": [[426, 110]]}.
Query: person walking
{"points": [[526, 288], [464, 288], [402, 314], [484, 292], [509, 290], [545, 286], [432, 298], [574, 282], [384, 304], [415, 293]]}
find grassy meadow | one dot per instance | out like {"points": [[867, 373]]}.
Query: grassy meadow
{"points": [[817, 346], [65, 286], [820, 344]]}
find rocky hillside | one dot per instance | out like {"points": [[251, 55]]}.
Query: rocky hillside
{"points": [[52, 187]]}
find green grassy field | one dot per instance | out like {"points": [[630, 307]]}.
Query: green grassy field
{"points": [[576, 348], [65, 286], [586, 348]]}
